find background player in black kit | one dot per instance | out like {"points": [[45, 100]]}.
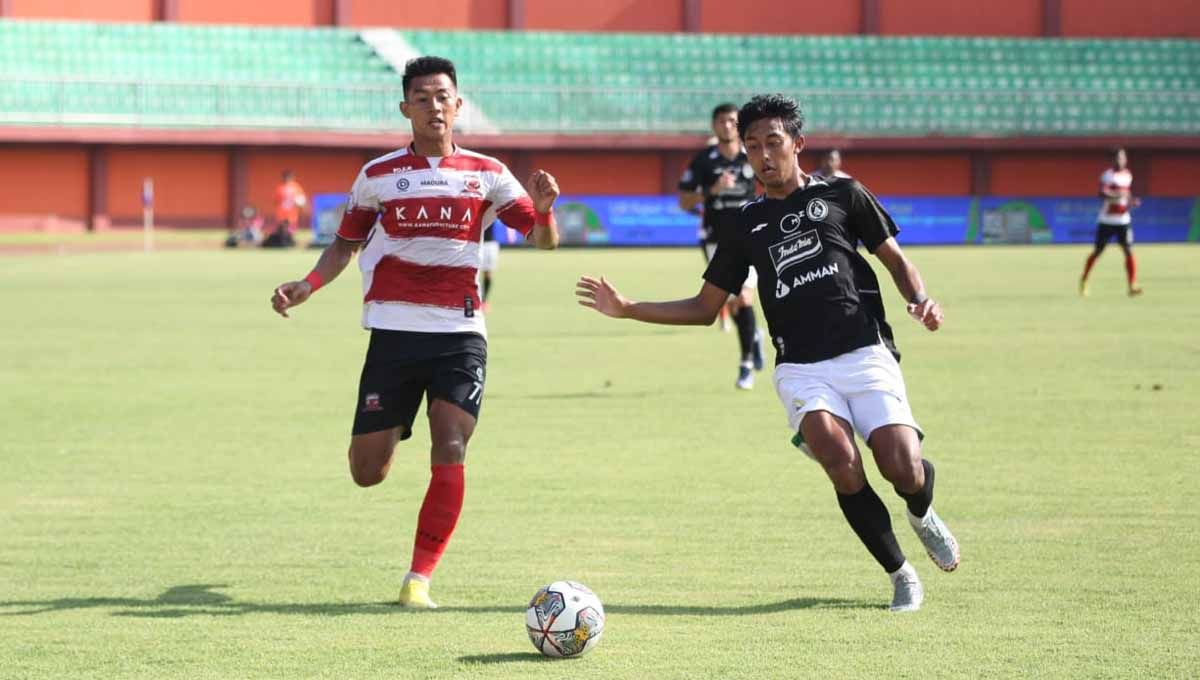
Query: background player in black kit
{"points": [[836, 369], [721, 180]]}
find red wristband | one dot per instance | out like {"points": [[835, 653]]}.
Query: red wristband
{"points": [[314, 280], [543, 219]]}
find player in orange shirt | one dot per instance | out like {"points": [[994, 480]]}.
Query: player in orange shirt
{"points": [[290, 199]]}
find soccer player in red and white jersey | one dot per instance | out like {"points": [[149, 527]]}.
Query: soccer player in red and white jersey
{"points": [[1116, 188], [418, 215]]}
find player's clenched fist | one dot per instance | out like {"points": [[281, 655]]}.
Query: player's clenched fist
{"points": [[289, 295], [543, 189]]}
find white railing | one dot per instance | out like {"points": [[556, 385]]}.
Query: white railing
{"points": [[372, 107]]}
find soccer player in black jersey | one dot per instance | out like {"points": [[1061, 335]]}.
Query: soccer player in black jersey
{"points": [[720, 178], [836, 366]]}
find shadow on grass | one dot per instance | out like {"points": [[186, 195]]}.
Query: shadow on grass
{"points": [[204, 600], [509, 657]]}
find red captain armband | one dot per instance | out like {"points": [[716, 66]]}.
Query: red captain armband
{"points": [[543, 219], [314, 279]]}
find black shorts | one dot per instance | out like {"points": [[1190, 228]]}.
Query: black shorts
{"points": [[1107, 232], [404, 366]]}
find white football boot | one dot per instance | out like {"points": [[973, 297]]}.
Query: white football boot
{"points": [[908, 593], [937, 539]]}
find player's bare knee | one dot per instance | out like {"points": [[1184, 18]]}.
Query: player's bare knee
{"points": [[366, 477], [449, 452], [846, 479], [368, 467]]}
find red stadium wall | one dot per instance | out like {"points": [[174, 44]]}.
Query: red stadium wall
{"points": [[602, 172], [1152, 18], [445, 14], [1108, 18], [608, 15], [764, 16], [955, 17], [191, 186], [271, 12], [108, 10], [26, 171], [908, 173], [1174, 175], [1048, 174]]}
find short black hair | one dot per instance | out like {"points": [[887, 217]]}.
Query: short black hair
{"points": [[428, 66], [771, 106], [722, 109]]}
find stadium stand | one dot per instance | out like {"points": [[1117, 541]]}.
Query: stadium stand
{"points": [[193, 75]]}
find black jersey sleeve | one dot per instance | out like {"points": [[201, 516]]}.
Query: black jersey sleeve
{"points": [[729, 266], [868, 221], [690, 180]]}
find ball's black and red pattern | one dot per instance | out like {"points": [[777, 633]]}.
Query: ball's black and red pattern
{"points": [[564, 619]]}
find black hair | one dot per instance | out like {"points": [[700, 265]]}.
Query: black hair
{"points": [[771, 106], [428, 66], [722, 109]]}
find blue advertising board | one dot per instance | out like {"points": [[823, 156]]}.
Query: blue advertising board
{"points": [[935, 220]]}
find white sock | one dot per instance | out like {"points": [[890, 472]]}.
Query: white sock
{"points": [[414, 576], [905, 568]]}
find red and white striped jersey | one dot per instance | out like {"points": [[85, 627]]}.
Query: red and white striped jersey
{"points": [[423, 220], [1115, 211]]}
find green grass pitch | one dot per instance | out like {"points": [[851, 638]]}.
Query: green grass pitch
{"points": [[175, 500]]}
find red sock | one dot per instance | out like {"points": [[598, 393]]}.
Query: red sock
{"points": [[439, 514], [1130, 269], [1087, 268]]}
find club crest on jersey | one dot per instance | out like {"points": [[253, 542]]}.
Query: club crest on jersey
{"points": [[796, 249], [472, 186], [817, 210], [371, 403]]}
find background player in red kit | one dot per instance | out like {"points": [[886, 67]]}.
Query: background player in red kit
{"points": [[432, 201], [1116, 188]]}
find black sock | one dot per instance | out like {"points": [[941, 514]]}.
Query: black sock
{"points": [[868, 516], [487, 286], [919, 502], [744, 318]]}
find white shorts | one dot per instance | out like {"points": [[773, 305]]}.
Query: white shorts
{"points": [[489, 256], [751, 278], [864, 387]]}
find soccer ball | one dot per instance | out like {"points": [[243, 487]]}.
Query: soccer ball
{"points": [[564, 619]]}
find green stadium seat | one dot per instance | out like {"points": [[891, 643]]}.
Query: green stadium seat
{"points": [[181, 74]]}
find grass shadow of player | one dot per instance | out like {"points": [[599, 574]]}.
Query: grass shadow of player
{"points": [[190, 600], [205, 600], [698, 610]]}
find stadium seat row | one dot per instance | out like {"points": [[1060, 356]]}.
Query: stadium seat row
{"points": [[180, 74]]}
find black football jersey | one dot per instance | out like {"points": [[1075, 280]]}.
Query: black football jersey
{"points": [[720, 209], [819, 295]]}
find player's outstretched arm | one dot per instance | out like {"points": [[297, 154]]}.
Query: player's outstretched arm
{"points": [[920, 306], [333, 260], [700, 310], [543, 190]]}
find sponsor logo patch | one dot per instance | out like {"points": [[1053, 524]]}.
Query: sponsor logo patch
{"points": [[371, 403], [782, 289], [796, 249], [402, 184]]}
